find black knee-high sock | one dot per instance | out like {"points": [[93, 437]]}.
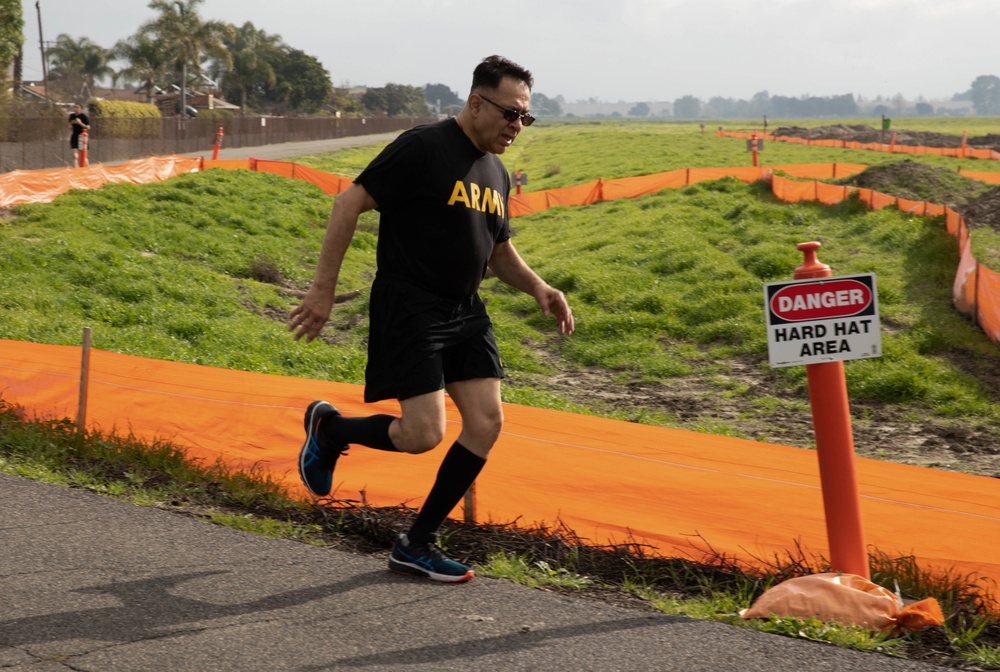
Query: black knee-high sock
{"points": [[371, 431], [458, 471]]}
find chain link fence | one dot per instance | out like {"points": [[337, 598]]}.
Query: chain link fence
{"points": [[38, 143]]}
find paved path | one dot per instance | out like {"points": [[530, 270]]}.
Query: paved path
{"points": [[95, 585], [290, 150]]}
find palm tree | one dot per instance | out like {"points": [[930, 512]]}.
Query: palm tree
{"points": [[147, 64], [249, 68], [81, 59], [186, 38]]}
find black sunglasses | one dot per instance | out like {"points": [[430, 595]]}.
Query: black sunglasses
{"points": [[509, 114]]}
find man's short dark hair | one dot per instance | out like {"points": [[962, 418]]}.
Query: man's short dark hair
{"points": [[493, 69]]}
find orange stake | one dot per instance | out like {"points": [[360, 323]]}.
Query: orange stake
{"points": [[835, 448], [218, 143], [84, 145]]}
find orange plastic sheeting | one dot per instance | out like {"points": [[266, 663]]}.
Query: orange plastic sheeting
{"points": [[964, 289], [527, 203], [327, 182], [747, 174], [41, 186], [633, 187], [822, 171], [791, 191], [845, 598], [536, 201], [988, 302], [975, 290], [953, 221], [226, 164], [605, 479], [957, 152], [989, 178]]}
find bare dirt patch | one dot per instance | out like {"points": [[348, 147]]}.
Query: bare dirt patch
{"points": [[983, 211], [866, 134], [920, 182], [887, 432]]}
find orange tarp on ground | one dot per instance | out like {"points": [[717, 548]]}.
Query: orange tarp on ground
{"points": [[605, 479], [41, 186]]}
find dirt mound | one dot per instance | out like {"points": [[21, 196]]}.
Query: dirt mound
{"points": [[983, 211], [867, 134], [919, 182]]}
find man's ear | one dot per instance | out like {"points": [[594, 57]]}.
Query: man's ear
{"points": [[475, 103]]}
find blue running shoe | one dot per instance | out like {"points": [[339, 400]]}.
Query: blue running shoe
{"points": [[316, 459], [426, 560]]}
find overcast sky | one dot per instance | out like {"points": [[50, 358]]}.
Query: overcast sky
{"points": [[612, 50]]}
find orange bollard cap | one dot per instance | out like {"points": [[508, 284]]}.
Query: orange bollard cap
{"points": [[811, 266]]}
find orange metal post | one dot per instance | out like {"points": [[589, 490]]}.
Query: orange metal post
{"points": [[84, 145], [835, 448], [218, 143], [753, 147], [892, 143], [517, 181], [964, 136]]}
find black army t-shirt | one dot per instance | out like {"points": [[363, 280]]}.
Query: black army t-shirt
{"points": [[443, 206]]}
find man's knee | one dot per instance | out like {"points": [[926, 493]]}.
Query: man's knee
{"points": [[485, 427], [418, 435]]}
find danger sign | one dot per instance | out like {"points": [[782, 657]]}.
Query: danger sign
{"points": [[822, 320]]}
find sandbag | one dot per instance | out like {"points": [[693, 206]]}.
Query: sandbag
{"points": [[844, 598]]}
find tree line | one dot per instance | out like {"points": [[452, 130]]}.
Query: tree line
{"points": [[260, 72], [984, 93], [246, 65]]}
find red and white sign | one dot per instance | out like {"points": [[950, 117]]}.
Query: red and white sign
{"points": [[838, 298], [822, 320]]}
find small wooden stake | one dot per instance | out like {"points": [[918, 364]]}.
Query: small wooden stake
{"points": [[470, 504], [81, 414]]}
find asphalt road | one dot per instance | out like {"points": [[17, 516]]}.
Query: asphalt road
{"points": [[290, 150], [91, 584]]}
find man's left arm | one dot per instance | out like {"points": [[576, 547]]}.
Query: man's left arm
{"points": [[508, 265]]}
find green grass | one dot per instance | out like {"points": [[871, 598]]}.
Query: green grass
{"points": [[203, 269], [558, 154]]}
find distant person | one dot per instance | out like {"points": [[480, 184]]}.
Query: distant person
{"points": [[78, 122], [442, 193]]}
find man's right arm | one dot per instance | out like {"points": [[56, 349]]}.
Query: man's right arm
{"points": [[308, 318]]}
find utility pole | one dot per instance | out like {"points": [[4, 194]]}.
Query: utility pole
{"points": [[41, 45]]}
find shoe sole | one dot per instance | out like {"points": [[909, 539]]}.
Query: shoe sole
{"points": [[310, 427], [409, 569]]}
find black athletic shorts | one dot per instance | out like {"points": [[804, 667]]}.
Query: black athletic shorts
{"points": [[418, 342], [74, 141]]}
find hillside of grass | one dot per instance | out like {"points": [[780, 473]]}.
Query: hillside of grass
{"points": [[203, 269]]}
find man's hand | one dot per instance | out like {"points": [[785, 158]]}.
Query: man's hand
{"points": [[308, 318], [553, 302]]}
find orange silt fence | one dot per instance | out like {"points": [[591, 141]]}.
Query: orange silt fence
{"points": [[976, 288], [892, 148], [684, 494]]}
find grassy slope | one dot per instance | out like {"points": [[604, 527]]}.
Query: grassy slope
{"points": [[662, 286]]}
